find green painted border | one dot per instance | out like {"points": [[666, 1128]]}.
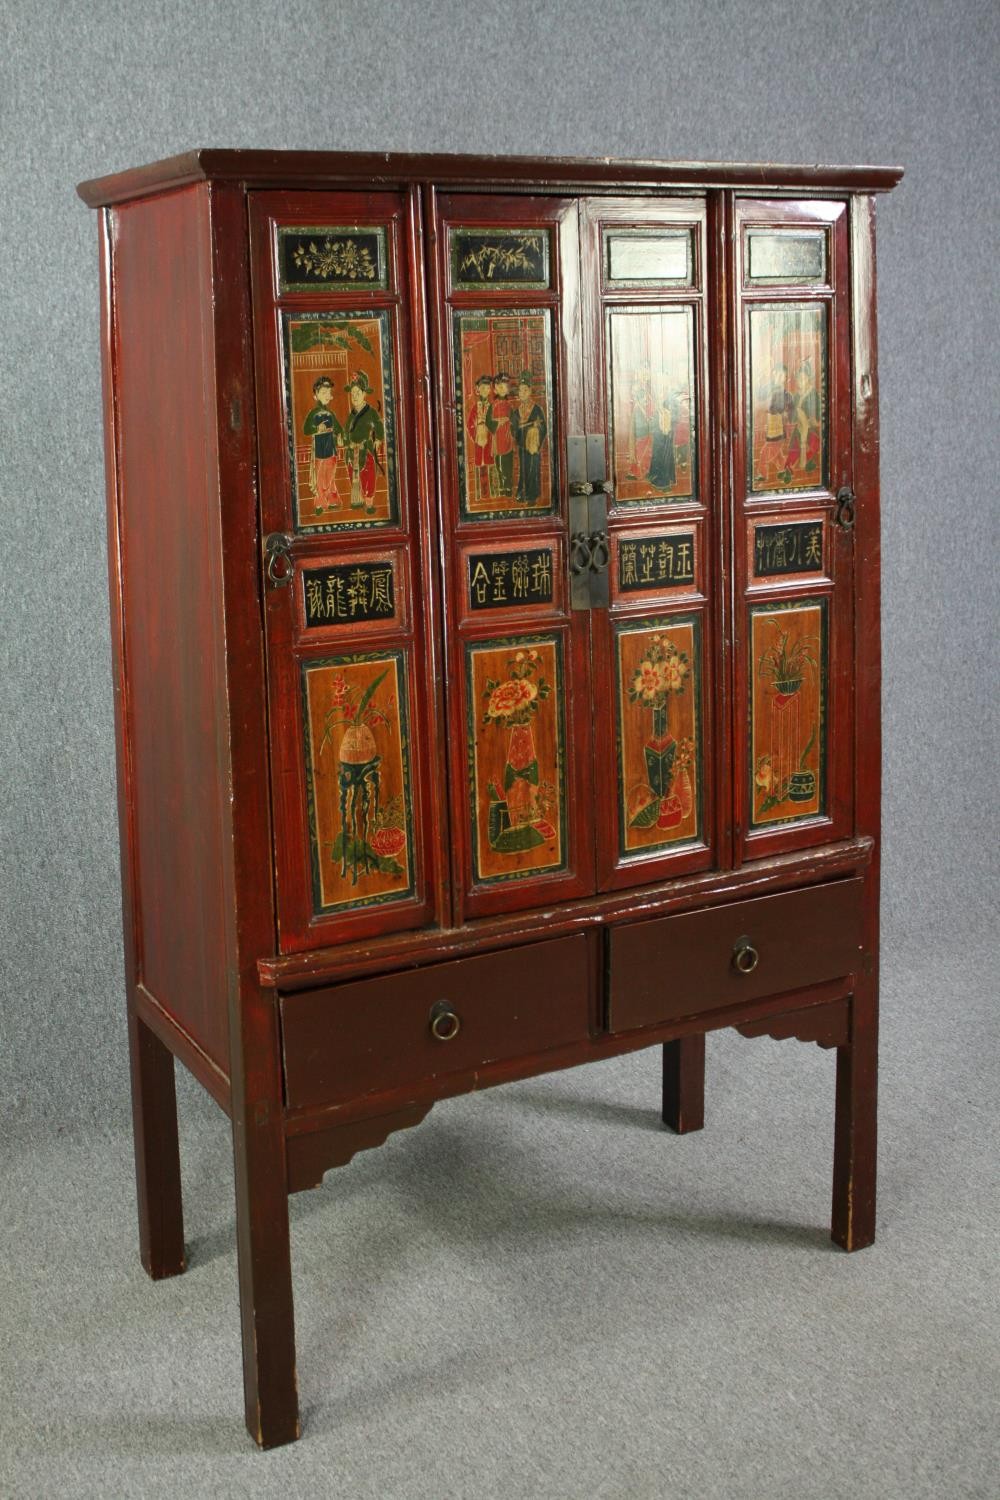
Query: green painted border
{"points": [[513, 513], [398, 656], [775, 607], [818, 481], [381, 315], [642, 627], [660, 232], [646, 502], [463, 284], [518, 643], [330, 231]]}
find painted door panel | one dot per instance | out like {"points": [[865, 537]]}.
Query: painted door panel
{"points": [[350, 593]]}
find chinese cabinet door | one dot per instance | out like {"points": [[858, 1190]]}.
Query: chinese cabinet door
{"points": [[349, 538], [506, 300], [794, 552], [658, 775]]}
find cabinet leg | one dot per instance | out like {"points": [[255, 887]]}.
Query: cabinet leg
{"points": [[855, 1131], [684, 1084], [157, 1153], [263, 1249]]}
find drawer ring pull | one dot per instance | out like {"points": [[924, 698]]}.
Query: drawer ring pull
{"points": [[745, 956], [445, 1022]]}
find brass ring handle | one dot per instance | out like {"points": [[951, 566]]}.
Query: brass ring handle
{"points": [[600, 552], [278, 559], [579, 553], [445, 1022], [847, 502], [745, 956]]}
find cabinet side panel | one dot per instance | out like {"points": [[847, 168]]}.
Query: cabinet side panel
{"points": [[170, 557]]}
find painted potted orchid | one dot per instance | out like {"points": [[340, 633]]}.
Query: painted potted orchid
{"points": [[784, 665]]}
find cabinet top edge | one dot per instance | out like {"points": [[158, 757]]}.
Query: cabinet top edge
{"points": [[263, 169]]}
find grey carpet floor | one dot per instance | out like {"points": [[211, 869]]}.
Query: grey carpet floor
{"points": [[538, 1292]]}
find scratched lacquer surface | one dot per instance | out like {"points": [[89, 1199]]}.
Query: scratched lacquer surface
{"points": [[358, 784]]}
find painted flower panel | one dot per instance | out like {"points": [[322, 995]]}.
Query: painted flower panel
{"points": [[658, 667], [516, 753]]}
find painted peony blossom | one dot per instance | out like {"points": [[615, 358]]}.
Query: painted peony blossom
{"points": [[509, 697], [647, 681]]}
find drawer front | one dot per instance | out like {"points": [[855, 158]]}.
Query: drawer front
{"points": [[376, 1034], [679, 966]]}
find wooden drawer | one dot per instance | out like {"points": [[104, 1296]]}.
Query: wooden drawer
{"points": [[375, 1034], [679, 966]]}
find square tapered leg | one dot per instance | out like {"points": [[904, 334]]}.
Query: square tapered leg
{"points": [[684, 1084], [157, 1152]]}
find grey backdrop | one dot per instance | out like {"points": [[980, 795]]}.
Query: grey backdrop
{"points": [[87, 89]]}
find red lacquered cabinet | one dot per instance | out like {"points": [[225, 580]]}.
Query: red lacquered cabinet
{"points": [[494, 561]]}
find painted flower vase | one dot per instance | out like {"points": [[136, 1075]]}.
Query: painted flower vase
{"points": [[521, 774], [659, 753]]}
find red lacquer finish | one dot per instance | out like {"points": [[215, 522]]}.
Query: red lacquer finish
{"points": [[419, 791]]}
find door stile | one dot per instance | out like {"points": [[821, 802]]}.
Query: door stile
{"points": [[429, 543], [720, 316], [649, 384]]}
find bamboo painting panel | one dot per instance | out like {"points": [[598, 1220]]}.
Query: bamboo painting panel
{"points": [[788, 418], [653, 409], [503, 258], [788, 690], [506, 413], [358, 784], [658, 668], [517, 757], [341, 419]]}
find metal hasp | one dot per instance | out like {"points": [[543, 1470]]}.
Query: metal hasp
{"points": [[590, 494]]}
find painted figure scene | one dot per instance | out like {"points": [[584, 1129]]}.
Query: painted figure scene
{"points": [[787, 713], [788, 381], [358, 791], [505, 412], [340, 395], [652, 384]]}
